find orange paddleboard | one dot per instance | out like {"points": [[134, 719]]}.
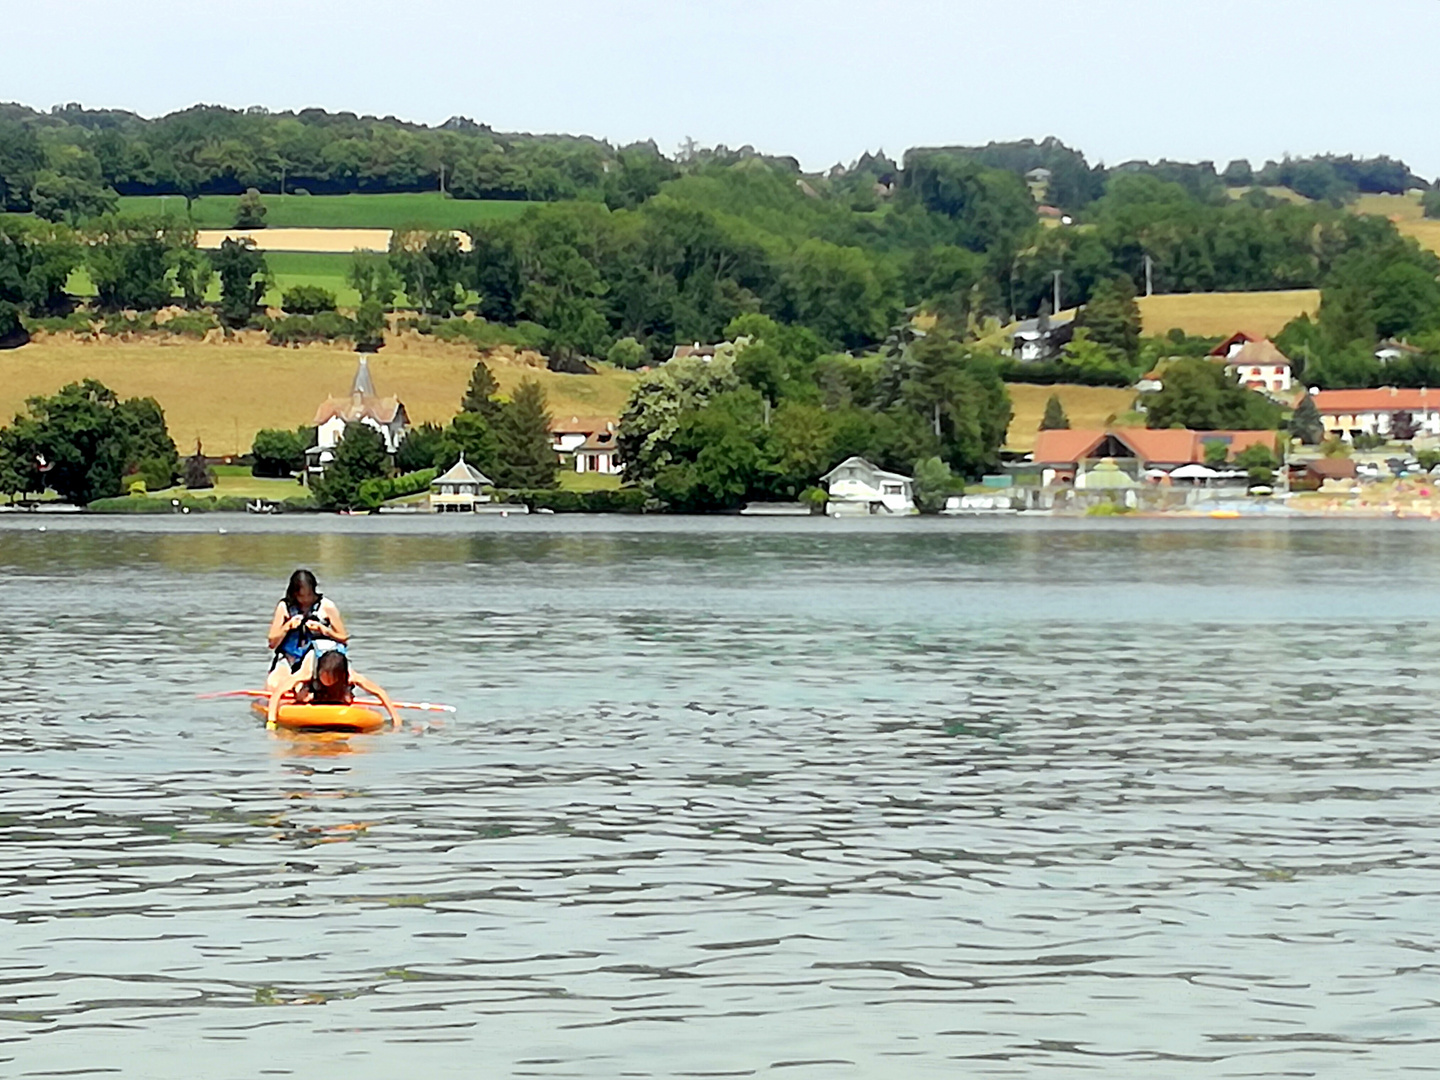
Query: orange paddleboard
{"points": [[352, 719]]}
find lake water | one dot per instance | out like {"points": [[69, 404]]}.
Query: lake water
{"points": [[727, 797]]}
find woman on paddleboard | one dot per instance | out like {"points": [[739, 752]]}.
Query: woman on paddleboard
{"points": [[304, 622], [326, 678]]}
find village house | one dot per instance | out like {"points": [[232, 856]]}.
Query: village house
{"points": [[1347, 413], [363, 406], [1255, 363], [1390, 350], [589, 441], [857, 487], [459, 489], [1064, 456], [1036, 340], [598, 454]]}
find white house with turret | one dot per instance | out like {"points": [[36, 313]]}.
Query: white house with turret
{"points": [[363, 406]]}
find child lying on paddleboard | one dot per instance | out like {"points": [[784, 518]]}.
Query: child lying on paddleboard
{"points": [[325, 679]]}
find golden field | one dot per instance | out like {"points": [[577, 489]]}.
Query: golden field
{"points": [[222, 393], [1221, 314], [1085, 407], [1407, 214]]}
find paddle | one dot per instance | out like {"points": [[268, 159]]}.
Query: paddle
{"points": [[424, 706]]}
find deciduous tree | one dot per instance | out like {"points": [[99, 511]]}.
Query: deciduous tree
{"points": [[243, 279], [359, 456]]}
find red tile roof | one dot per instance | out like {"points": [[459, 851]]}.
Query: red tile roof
{"points": [[1158, 446], [1258, 352], [357, 407], [1385, 399], [582, 425], [1066, 446], [1241, 337]]}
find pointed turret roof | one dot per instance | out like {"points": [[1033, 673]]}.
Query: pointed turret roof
{"points": [[363, 385], [463, 472]]}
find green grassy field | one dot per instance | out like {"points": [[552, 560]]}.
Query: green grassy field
{"points": [[291, 268], [287, 268], [424, 209], [235, 480]]}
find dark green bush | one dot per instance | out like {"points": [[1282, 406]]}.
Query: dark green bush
{"points": [[377, 490], [77, 322], [299, 329], [481, 334], [193, 324], [120, 323], [307, 300], [276, 453], [129, 504]]}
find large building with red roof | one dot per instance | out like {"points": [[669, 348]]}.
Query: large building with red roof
{"points": [[1062, 454], [1347, 413]]}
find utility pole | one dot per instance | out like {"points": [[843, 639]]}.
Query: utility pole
{"points": [[1056, 275], [937, 419], [1149, 276]]}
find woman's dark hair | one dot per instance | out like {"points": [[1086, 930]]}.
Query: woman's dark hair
{"points": [[298, 580], [333, 661]]}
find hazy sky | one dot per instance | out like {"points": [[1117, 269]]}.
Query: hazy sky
{"points": [[823, 81]]}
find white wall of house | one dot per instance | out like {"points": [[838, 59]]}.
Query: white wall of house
{"points": [[597, 461], [333, 430], [859, 483], [1427, 422], [1273, 377]]}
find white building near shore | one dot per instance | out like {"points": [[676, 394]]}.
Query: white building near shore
{"points": [[858, 487]]}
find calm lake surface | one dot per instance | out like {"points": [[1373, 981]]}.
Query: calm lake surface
{"points": [[727, 797]]}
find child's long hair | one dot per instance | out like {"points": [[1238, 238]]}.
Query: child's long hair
{"points": [[333, 661], [301, 579]]}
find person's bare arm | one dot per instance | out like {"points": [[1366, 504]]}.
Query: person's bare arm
{"points": [[336, 630], [280, 625], [376, 689]]}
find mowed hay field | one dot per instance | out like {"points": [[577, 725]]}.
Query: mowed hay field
{"points": [[421, 209], [224, 393], [1221, 314], [1407, 214], [1085, 407]]}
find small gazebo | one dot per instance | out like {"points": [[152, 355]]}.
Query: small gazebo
{"points": [[459, 489]]}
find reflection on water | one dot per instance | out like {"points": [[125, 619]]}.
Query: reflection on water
{"points": [[726, 798]]}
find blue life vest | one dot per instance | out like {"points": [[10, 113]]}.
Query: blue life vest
{"points": [[299, 641]]}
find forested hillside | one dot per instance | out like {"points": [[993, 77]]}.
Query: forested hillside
{"points": [[623, 253]]}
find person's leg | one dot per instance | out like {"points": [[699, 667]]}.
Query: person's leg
{"points": [[279, 669]]}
